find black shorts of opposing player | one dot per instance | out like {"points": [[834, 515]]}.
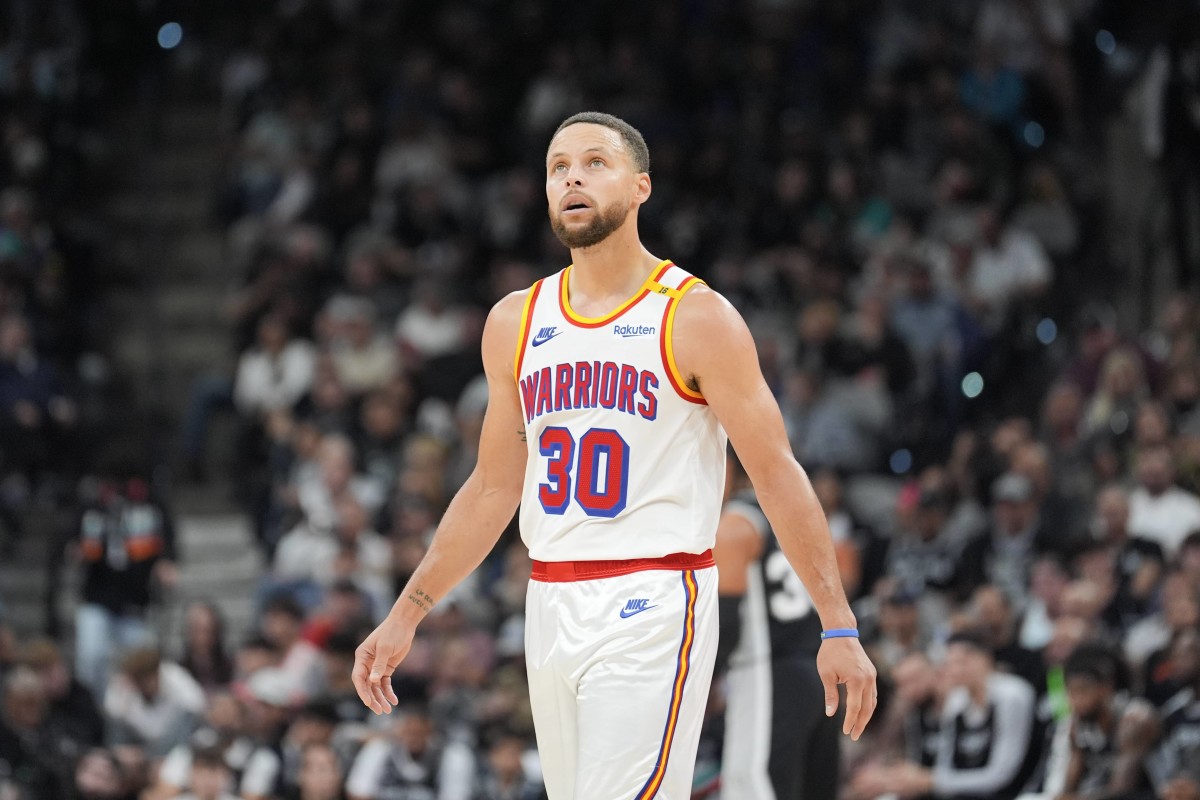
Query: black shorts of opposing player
{"points": [[805, 756]]}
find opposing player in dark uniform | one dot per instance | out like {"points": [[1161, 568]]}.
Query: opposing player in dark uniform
{"points": [[779, 743]]}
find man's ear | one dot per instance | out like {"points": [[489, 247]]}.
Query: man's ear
{"points": [[642, 192]]}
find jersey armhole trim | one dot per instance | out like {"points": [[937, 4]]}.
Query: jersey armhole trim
{"points": [[526, 323], [668, 350]]}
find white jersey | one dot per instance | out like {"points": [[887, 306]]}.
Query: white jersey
{"points": [[625, 460]]}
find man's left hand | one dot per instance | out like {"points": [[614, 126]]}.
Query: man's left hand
{"points": [[843, 660]]}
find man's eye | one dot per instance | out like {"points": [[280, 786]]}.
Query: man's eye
{"points": [[596, 161]]}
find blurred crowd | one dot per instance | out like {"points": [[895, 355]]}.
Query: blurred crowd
{"points": [[901, 196], [51, 152]]}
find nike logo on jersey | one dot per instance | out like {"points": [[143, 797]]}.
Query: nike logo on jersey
{"points": [[636, 607], [546, 334]]}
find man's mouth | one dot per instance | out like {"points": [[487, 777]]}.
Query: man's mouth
{"points": [[575, 204]]}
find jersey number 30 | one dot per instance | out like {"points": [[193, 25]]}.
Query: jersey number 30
{"points": [[601, 471]]}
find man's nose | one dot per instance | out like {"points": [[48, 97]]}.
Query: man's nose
{"points": [[574, 176]]}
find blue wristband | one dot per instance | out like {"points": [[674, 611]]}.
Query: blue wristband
{"points": [[840, 633]]}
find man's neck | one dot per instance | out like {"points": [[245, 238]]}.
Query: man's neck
{"points": [[611, 271]]}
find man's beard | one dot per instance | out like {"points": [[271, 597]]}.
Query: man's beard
{"points": [[605, 221]]}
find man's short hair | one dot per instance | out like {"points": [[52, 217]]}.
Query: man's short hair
{"points": [[284, 604], [212, 757], [635, 144], [256, 641], [1095, 661], [975, 638], [141, 662]]}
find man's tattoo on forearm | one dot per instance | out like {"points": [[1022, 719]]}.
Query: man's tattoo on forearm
{"points": [[421, 599], [521, 433]]}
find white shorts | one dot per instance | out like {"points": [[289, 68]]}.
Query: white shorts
{"points": [[619, 673]]}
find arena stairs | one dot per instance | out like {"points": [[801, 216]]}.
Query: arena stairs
{"points": [[163, 310]]}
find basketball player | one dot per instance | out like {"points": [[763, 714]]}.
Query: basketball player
{"points": [[779, 745], [611, 386]]}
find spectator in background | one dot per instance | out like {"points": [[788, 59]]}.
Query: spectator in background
{"points": [[204, 653], [412, 762], [318, 496], [993, 617], [932, 324], [1175, 767], [1189, 557], [152, 703], [99, 775], [345, 608], [72, 709], [381, 424], [360, 555], [1009, 267], [274, 374], [37, 416], [1148, 644], [1159, 510], [1122, 386], [270, 706], [1100, 749], [900, 632], [503, 775], [25, 756], [321, 775], [209, 777], [314, 724], [1063, 433], [223, 731], [1005, 555], [910, 731], [1058, 511], [432, 325], [1045, 210], [1138, 564], [925, 557], [1048, 580], [988, 740], [365, 358], [126, 539], [299, 661]]}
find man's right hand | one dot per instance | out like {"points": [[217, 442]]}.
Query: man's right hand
{"points": [[377, 658]]}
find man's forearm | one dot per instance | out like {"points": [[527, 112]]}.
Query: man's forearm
{"points": [[468, 531], [795, 514]]}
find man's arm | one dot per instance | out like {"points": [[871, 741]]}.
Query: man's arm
{"points": [[472, 523], [715, 351]]}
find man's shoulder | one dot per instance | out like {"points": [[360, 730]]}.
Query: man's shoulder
{"points": [[702, 315], [507, 312]]}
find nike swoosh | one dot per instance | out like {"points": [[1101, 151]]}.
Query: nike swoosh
{"points": [[538, 342], [626, 614]]}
